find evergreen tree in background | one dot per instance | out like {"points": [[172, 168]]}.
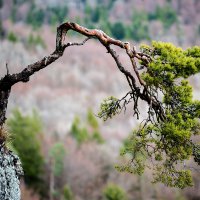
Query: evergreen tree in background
{"points": [[114, 192], [67, 193], [1, 4], [84, 132], [25, 130], [56, 154], [166, 14], [118, 30], [12, 37]]}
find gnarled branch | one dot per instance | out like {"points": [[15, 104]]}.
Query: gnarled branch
{"points": [[140, 91]]}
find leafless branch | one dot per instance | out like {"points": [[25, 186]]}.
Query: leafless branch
{"points": [[140, 91]]}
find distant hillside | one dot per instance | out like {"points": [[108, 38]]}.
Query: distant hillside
{"points": [[169, 20], [82, 75]]}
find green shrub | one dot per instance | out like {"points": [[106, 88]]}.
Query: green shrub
{"points": [[138, 30], [96, 14], [57, 14], [114, 192], [106, 27], [25, 130], [1, 30], [88, 131], [167, 15], [79, 133], [118, 30], [35, 17], [1, 3], [96, 136], [92, 121], [35, 40], [57, 154], [12, 37], [13, 14], [67, 193]]}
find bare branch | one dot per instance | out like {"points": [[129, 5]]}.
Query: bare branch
{"points": [[7, 70], [76, 43], [10, 79]]}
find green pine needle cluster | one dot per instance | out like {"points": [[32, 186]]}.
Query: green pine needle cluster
{"points": [[165, 146], [109, 108]]}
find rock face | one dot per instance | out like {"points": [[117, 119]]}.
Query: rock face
{"points": [[10, 172]]}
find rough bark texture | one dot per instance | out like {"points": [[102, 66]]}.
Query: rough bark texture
{"points": [[4, 95], [10, 172]]}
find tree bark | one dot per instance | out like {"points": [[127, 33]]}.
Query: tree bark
{"points": [[10, 172], [8, 161]]}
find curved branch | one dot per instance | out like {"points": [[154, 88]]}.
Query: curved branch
{"points": [[10, 79]]}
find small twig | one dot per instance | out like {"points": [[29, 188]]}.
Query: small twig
{"points": [[7, 70], [76, 43], [8, 81]]}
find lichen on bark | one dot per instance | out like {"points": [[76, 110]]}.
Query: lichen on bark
{"points": [[10, 172]]}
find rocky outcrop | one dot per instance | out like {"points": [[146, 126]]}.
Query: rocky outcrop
{"points": [[10, 172]]}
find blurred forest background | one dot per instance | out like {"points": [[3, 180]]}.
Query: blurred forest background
{"points": [[68, 153]]}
